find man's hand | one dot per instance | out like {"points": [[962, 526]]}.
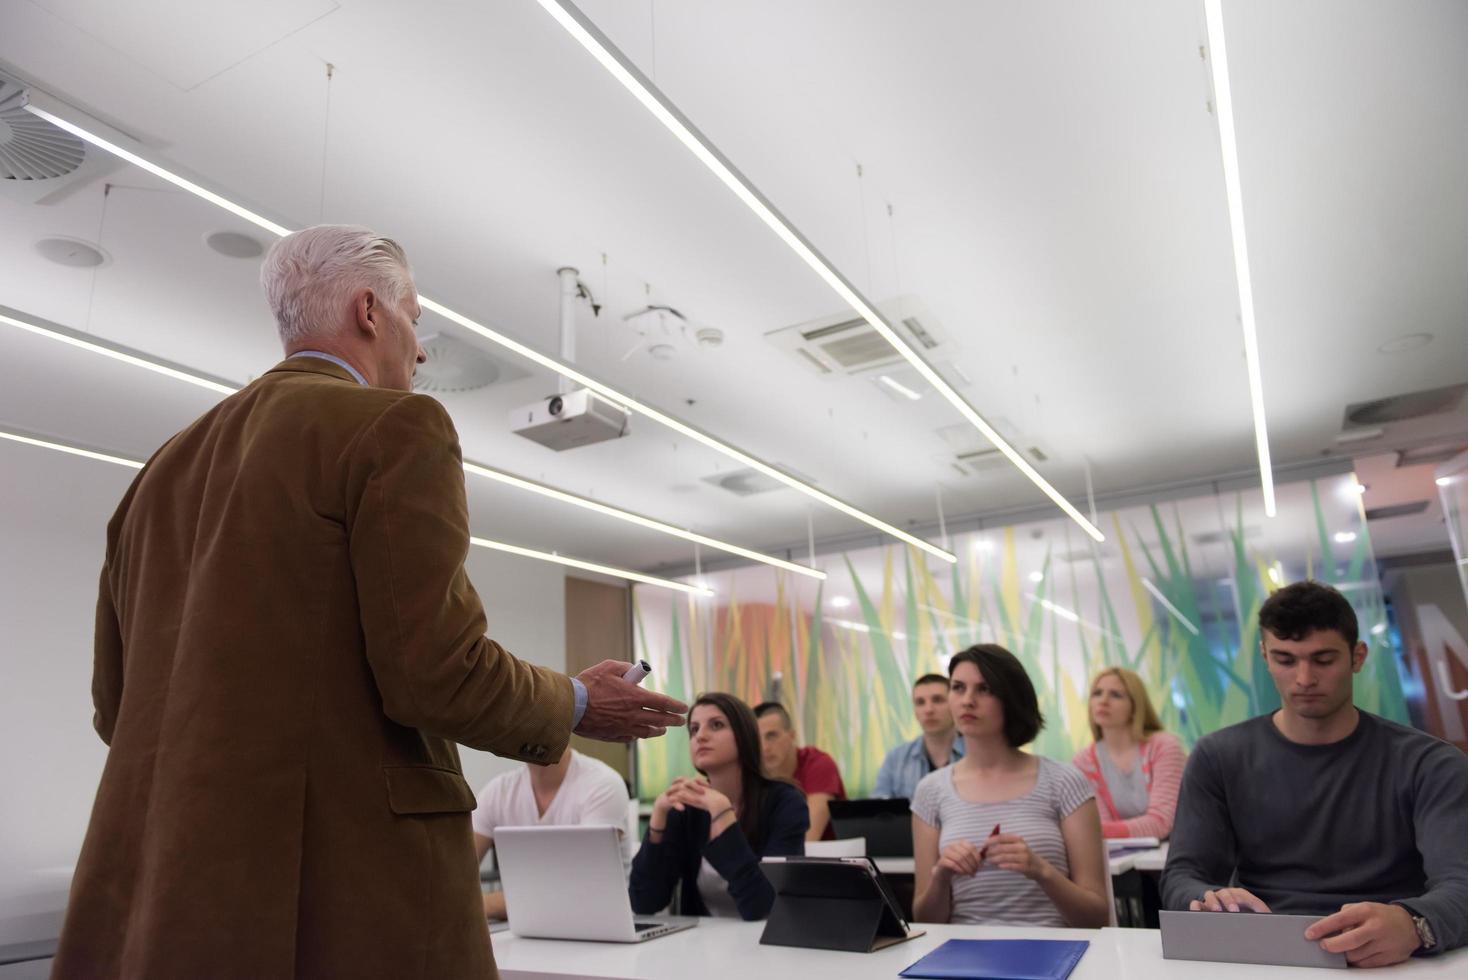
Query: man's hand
{"points": [[618, 711], [1228, 900], [1370, 933]]}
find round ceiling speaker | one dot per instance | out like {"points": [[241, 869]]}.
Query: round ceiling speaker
{"points": [[235, 245], [72, 252]]}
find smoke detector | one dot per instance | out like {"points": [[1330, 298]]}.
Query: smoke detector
{"points": [[454, 366]]}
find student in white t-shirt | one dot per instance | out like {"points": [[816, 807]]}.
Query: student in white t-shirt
{"points": [[576, 790]]}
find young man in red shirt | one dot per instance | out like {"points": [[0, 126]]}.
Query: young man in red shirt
{"points": [[808, 767]]}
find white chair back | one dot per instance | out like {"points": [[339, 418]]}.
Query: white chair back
{"points": [[846, 847]]}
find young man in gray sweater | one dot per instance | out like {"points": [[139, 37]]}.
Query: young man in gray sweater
{"points": [[1324, 809]]}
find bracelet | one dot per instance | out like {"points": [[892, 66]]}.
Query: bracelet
{"points": [[655, 830], [719, 816]]}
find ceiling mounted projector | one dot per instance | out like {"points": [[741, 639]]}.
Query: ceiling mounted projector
{"points": [[573, 418]]}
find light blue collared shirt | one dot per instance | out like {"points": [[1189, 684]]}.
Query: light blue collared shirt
{"points": [[906, 765], [333, 359], [577, 688]]}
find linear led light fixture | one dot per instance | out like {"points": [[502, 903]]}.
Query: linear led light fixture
{"points": [[1176, 612], [37, 104], [478, 469], [76, 338], [623, 573], [580, 27], [62, 447], [1223, 102], [589, 566]]}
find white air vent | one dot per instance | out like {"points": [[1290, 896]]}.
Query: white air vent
{"points": [[845, 344], [39, 162], [454, 365], [30, 147], [748, 481], [974, 455]]}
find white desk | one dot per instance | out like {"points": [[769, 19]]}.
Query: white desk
{"points": [[721, 948], [1149, 860]]}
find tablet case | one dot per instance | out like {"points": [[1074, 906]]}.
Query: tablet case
{"points": [[832, 903]]}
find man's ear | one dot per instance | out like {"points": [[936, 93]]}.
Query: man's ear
{"points": [[365, 307], [1358, 656]]}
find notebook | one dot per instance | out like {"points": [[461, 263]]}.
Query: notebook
{"points": [[1000, 959]]}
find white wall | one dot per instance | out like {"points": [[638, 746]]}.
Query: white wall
{"points": [[53, 515]]}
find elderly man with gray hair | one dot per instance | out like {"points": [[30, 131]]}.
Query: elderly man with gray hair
{"points": [[287, 649]]}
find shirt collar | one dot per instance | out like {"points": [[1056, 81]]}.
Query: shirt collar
{"points": [[333, 359]]}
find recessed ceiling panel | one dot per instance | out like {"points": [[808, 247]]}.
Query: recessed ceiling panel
{"points": [[220, 33]]}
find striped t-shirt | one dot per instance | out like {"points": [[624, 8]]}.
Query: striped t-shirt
{"points": [[994, 896]]}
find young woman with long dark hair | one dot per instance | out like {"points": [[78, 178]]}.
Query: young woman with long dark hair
{"points": [[709, 834]]}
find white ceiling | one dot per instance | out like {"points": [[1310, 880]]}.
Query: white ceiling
{"points": [[1057, 207]]}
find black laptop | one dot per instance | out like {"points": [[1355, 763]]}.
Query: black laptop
{"points": [[886, 824]]}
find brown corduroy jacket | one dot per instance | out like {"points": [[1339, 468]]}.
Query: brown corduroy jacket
{"points": [[287, 648]]}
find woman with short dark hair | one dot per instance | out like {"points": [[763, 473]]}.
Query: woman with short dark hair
{"points": [[1042, 863], [709, 834]]}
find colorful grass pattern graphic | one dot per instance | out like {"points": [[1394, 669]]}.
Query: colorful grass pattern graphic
{"points": [[847, 681]]}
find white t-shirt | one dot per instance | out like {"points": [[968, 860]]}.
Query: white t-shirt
{"points": [[592, 793]]}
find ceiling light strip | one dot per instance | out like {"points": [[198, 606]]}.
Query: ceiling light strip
{"points": [[62, 447], [75, 338], [550, 363], [589, 37], [698, 435], [135, 464], [1224, 105], [590, 566], [509, 479], [56, 332], [1176, 612]]}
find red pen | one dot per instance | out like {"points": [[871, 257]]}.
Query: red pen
{"points": [[985, 849]]}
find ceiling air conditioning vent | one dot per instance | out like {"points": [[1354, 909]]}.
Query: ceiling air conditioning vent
{"points": [[455, 366], [30, 147], [748, 481], [1395, 510], [1400, 408], [842, 344], [40, 163]]}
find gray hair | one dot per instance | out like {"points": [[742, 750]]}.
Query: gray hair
{"points": [[310, 275]]}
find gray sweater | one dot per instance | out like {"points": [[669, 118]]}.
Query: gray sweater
{"points": [[1380, 816]]}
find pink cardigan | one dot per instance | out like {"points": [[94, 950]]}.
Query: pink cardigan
{"points": [[1162, 759]]}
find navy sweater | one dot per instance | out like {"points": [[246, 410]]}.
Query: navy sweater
{"points": [[659, 867]]}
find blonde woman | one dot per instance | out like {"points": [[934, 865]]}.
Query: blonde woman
{"points": [[1135, 766]]}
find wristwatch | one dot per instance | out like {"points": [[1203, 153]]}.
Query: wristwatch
{"points": [[1424, 931]]}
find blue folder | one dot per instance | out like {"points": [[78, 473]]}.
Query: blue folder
{"points": [[1000, 959]]}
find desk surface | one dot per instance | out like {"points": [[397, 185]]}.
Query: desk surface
{"points": [[1148, 860], [720, 948]]}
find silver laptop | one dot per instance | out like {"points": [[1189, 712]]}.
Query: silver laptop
{"points": [[1244, 937], [568, 883]]}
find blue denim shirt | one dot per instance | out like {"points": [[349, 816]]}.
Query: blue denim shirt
{"points": [[905, 765]]}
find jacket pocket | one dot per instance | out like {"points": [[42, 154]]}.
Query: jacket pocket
{"points": [[426, 789]]}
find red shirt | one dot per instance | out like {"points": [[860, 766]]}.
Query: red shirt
{"points": [[816, 772]]}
